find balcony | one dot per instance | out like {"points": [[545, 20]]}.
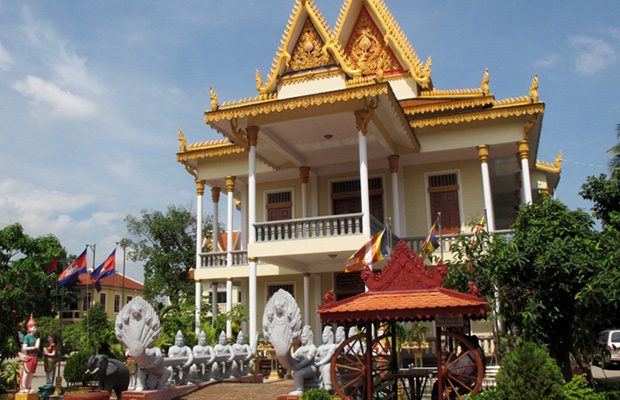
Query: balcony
{"points": [[306, 228]]}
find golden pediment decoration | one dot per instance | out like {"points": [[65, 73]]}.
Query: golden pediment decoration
{"points": [[182, 141], [503, 112], [534, 89], [367, 49], [309, 51], [556, 167]]}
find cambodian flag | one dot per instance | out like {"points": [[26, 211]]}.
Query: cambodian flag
{"points": [[108, 268], [74, 270]]}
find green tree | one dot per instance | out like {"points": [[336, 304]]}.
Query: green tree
{"points": [[25, 287], [167, 245], [97, 331], [548, 276], [605, 193], [614, 157]]}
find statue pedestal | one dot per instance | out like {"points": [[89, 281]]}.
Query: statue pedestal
{"points": [[27, 396], [288, 397]]}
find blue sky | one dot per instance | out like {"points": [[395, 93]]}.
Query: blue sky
{"points": [[92, 92]]}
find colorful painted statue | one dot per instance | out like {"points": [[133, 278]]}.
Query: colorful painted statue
{"points": [[29, 356], [50, 356]]}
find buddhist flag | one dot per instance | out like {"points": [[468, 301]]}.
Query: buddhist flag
{"points": [[373, 251], [107, 268], [431, 243], [74, 270], [478, 230]]}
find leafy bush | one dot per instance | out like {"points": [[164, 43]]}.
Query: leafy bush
{"points": [[75, 366], [529, 373], [9, 376], [315, 394], [577, 389], [489, 394]]}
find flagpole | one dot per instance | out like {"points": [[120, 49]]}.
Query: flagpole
{"points": [[440, 234], [93, 247]]}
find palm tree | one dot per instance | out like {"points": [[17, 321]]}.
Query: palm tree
{"points": [[614, 160]]}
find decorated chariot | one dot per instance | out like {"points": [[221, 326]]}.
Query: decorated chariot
{"points": [[366, 365]]}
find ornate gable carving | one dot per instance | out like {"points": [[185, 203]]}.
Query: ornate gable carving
{"points": [[405, 270], [367, 49], [308, 52]]}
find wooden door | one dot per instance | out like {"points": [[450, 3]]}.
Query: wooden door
{"points": [[448, 204]]}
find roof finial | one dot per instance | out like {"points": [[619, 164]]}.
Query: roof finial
{"points": [[215, 103], [259, 81], [183, 144], [534, 89], [485, 82]]}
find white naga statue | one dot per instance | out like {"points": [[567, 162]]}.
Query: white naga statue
{"points": [[137, 327], [243, 363], [282, 329], [323, 359], [203, 359], [181, 370]]}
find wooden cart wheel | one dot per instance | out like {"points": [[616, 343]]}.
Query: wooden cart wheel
{"points": [[348, 367], [462, 367]]}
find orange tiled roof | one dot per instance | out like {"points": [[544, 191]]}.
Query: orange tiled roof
{"points": [[112, 281], [408, 305]]}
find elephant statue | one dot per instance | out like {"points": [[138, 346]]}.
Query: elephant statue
{"points": [[111, 374]]}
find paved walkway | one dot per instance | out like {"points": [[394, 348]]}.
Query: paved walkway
{"points": [[269, 390]]}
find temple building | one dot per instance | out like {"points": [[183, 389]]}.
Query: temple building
{"points": [[344, 135]]}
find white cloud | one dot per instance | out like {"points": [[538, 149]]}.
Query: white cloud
{"points": [[5, 59], [549, 61], [48, 100], [592, 55]]}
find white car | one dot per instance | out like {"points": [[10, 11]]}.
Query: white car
{"points": [[607, 347]]}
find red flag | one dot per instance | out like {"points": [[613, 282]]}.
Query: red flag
{"points": [[53, 267]]}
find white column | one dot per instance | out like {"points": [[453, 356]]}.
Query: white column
{"points": [[524, 150], [230, 187], [252, 132], [213, 302], [243, 239], [200, 190], [318, 297], [307, 299], [483, 155], [304, 173], [393, 163], [364, 183], [215, 196], [314, 195]]}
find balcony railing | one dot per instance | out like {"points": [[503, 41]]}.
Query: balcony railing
{"points": [[306, 228], [445, 241], [239, 257]]}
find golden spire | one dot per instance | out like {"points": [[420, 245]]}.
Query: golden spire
{"points": [[183, 144], [215, 104], [534, 89], [485, 82], [259, 80]]}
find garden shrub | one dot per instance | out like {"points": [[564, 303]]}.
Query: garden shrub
{"points": [[75, 366], [577, 389], [315, 394], [529, 373]]}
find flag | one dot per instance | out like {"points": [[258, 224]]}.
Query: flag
{"points": [[107, 268], [74, 270], [374, 250], [431, 243], [478, 230], [53, 267]]}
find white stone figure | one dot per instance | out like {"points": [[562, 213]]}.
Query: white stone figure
{"points": [[357, 346], [137, 327], [340, 335], [243, 363], [323, 358], [282, 329], [304, 367], [203, 359], [180, 372], [224, 356]]}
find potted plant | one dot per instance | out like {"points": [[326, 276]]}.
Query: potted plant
{"points": [[10, 376]]}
